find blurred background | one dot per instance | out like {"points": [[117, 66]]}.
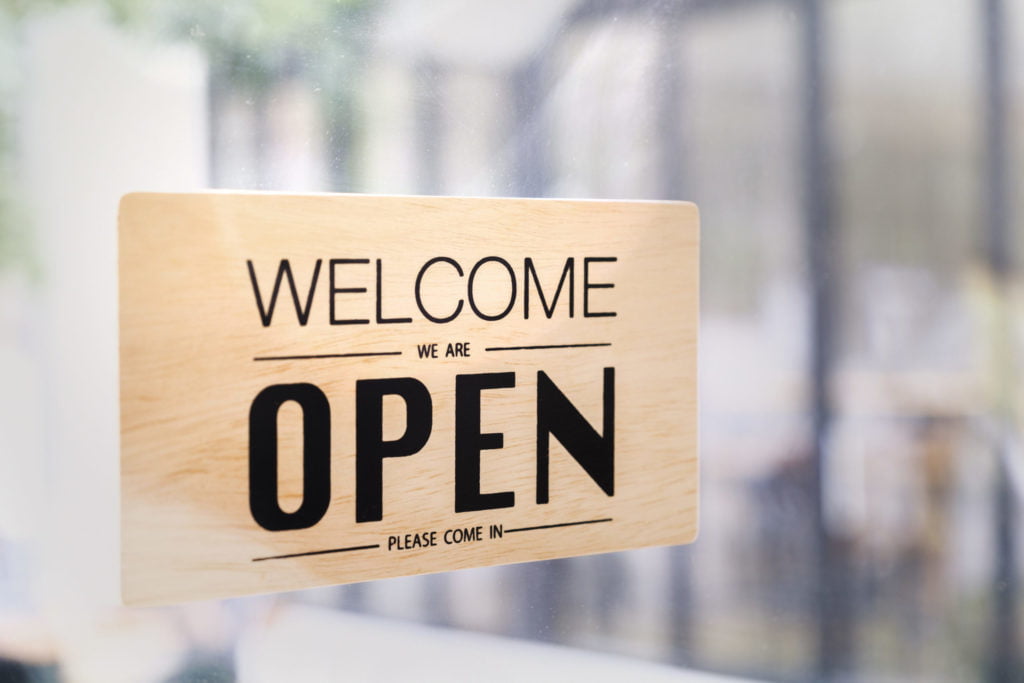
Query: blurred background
{"points": [[859, 165]]}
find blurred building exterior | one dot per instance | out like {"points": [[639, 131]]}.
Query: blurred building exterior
{"points": [[855, 162]]}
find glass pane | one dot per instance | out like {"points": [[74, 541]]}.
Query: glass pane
{"points": [[856, 164]]}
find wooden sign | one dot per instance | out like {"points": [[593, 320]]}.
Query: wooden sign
{"points": [[319, 389]]}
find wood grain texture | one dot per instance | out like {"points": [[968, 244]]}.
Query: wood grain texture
{"points": [[191, 329]]}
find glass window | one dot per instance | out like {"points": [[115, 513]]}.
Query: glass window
{"points": [[856, 163]]}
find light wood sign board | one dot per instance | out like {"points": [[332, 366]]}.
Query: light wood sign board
{"points": [[320, 389]]}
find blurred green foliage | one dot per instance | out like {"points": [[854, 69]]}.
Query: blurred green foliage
{"points": [[14, 234], [250, 45], [253, 43]]}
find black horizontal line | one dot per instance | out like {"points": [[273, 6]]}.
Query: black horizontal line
{"points": [[555, 526], [545, 346], [316, 552], [331, 355]]}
